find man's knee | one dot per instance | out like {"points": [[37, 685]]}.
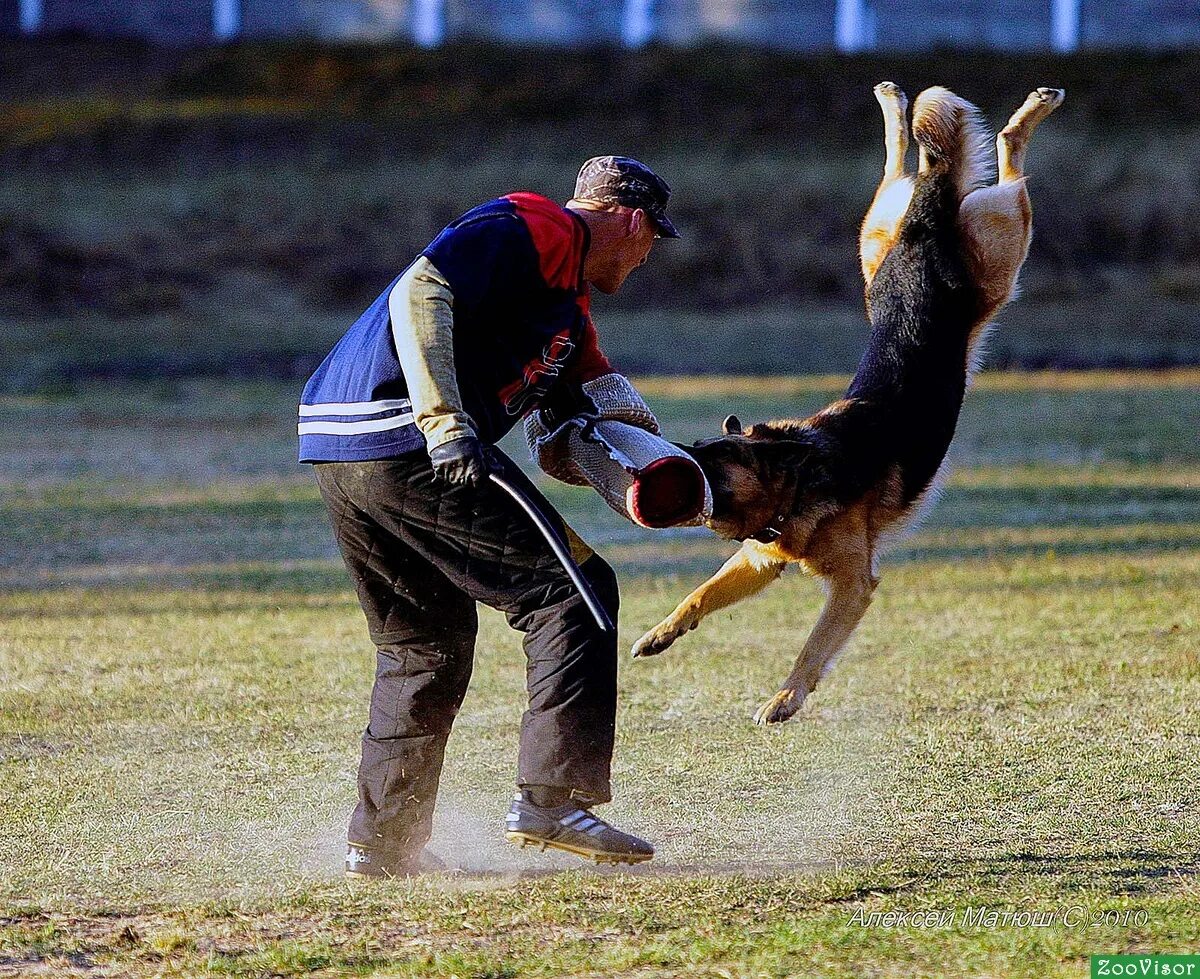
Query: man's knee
{"points": [[557, 604], [420, 681], [451, 635]]}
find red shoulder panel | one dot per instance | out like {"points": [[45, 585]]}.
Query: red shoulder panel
{"points": [[556, 236]]}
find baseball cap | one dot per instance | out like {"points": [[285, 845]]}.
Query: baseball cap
{"points": [[628, 183]]}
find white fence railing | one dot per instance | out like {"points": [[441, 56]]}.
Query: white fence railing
{"points": [[842, 25]]}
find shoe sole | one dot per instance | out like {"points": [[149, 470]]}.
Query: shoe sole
{"points": [[524, 840]]}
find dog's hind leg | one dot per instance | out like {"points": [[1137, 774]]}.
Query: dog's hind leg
{"points": [[1014, 138], [845, 561], [895, 189], [748, 572], [996, 222]]}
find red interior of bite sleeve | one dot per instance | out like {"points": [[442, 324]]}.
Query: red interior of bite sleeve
{"points": [[667, 492]]}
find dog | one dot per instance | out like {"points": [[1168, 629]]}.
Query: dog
{"points": [[940, 253]]}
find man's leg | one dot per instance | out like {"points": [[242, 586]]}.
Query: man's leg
{"points": [[424, 630], [486, 545], [571, 673]]}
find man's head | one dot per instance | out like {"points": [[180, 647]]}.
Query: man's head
{"points": [[624, 203]]}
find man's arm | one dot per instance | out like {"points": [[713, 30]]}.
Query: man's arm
{"points": [[422, 311], [605, 392], [592, 386], [592, 361]]}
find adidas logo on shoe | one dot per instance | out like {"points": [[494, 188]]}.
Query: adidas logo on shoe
{"points": [[572, 830]]}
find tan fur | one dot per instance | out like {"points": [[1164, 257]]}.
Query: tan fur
{"points": [[841, 545], [956, 128], [895, 189], [830, 409], [997, 221]]}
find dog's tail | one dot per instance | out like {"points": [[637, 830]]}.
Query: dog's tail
{"points": [[953, 138]]}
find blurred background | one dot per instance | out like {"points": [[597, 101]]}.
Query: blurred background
{"points": [[197, 198], [196, 188]]}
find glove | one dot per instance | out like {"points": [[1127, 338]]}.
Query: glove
{"points": [[461, 461], [562, 402]]}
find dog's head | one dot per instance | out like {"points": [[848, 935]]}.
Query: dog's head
{"points": [[740, 469]]}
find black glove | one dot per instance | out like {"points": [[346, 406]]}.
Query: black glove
{"points": [[564, 401], [461, 462]]}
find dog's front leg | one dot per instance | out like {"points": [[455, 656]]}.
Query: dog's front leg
{"points": [[847, 602], [748, 572], [894, 104], [892, 197]]}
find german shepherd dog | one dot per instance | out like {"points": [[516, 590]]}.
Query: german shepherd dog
{"points": [[940, 254]]}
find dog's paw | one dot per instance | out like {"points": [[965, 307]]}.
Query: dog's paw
{"points": [[1036, 107], [655, 641], [663, 635], [889, 91], [780, 707], [652, 643], [1050, 97]]}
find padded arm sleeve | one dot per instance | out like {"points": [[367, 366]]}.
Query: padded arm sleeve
{"points": [[422, 311]]}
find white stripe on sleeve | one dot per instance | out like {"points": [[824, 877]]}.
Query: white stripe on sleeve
{"points": [[355, 428], [354, 407]]}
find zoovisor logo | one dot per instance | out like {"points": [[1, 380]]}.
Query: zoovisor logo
{"points": [[1151, 966]]}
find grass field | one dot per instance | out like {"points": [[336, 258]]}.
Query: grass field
{"points": [[1016, 726]]}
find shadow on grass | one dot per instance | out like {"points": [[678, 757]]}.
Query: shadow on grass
{"points": [[1080, 505], [1066, 546], [150, 591], [296, 585], [263, 545], [1121, 871], [1130, 872]]}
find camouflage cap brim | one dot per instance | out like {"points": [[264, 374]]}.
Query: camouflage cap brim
{"points": [[665, 228]]}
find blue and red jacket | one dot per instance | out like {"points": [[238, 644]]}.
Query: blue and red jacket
{"points": [[521, 326]]}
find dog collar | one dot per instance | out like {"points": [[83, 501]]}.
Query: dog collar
{"points": [[772, 531]]}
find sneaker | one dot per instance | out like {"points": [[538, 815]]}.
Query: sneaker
{"points": [[573, 829], [367, 861]]}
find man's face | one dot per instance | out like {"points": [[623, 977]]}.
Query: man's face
{"points": [[628, 252]]}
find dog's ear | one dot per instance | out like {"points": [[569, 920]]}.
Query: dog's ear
{"points": [[731, 425]]}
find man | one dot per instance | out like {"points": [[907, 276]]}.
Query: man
{"points": [[489, 322]]}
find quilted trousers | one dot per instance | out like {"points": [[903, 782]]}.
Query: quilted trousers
{"points": [[421, 553]]}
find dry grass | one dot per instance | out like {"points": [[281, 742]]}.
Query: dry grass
{"points": [[183, 679]]}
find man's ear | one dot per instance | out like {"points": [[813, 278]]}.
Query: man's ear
{"points": [[637, 221], [731, 425]]}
